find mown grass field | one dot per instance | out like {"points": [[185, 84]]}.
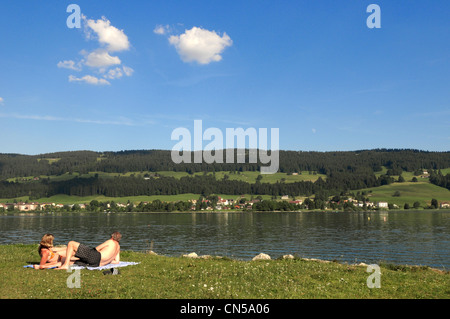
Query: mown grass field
{"points": [[67, 199], [249, 177], [410, 192], [161, 277], [422, 191]]}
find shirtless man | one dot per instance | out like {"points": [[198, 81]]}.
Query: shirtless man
{"points": [[103, 254]]}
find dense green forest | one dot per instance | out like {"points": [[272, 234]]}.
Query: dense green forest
{"points": [[16, 165], [344, 171]]}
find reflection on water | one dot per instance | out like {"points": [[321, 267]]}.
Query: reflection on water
{"points": [[414, 237]]}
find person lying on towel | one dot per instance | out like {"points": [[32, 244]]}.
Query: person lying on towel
{"points": [[103, 254], [50, 256]]}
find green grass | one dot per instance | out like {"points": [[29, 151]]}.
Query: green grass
{"points": [[249, 177], [408, 176], [161, 277], [422, 191], [410, 192], [67, 199]]}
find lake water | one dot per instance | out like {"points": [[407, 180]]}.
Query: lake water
{"points": [[413, 237]]}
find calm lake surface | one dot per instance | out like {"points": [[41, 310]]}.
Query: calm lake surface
{"points": [[413, 237]]}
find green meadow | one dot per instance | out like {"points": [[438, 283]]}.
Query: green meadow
{"points": [[249, 177], [162, 277], [67, 199], [409, 192]]}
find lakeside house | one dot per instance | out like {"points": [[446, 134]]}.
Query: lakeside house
{"points": [[444, 205], [33, 206], [207, 204], [382, 205], [367, 204], [28, 206]]}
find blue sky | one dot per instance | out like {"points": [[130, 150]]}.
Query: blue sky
{"points": [[137, 70]]}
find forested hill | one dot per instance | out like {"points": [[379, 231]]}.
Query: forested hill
{"points": [[16, 165], [342, 171]]}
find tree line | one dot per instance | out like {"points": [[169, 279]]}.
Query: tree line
{"points": [[344, 171], [17, 165], [198, 184]]}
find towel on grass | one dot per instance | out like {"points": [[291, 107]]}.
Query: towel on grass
{"points": [[109, 266]]}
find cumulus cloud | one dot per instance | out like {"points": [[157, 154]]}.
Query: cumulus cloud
{"points": [[103, 60], [89, 79], [200, 45], [128, 71], [118, 72], [161, 29], [114, 74], [113, 38], [69, 65]]}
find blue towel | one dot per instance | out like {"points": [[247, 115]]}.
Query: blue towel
{"points": [[31, 266]]}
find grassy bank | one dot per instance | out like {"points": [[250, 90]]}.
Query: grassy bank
{"points": [[177, 277], [67, 199], [408, 192], [246, 176]]}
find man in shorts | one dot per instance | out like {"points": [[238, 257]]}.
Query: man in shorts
{"points": [[106, 253]]}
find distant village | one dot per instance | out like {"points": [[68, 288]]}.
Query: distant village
{"points": [[204, 204]]}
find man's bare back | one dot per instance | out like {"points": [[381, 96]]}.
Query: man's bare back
{"points": [[110, 251]]}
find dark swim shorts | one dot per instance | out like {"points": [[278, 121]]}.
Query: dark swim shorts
{"points": [[88, 256]]}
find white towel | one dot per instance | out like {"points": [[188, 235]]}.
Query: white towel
{"points": [[109, 266], [120, 264]]}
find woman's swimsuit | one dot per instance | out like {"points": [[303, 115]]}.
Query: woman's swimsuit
{"points": [[52, 255]]}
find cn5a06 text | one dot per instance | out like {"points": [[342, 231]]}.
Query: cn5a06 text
{"points": [[247, 308]]}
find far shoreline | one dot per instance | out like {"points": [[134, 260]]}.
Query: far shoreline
{"points": [[381, 211]]}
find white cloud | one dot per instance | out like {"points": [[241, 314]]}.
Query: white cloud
{"points": [[114, 74], [118, 121], [68, 65], [115, 39], [200, 45], [89, 79], [128, 71], [110, 39], [101, 59], [161, 29], [30, 117], [118, 72], [2, 100]]}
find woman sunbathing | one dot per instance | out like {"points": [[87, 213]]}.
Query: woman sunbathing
{"points": [[50, 256]]}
